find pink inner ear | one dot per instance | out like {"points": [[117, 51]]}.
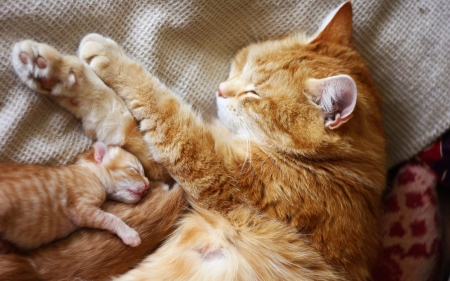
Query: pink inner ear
{"points": [[338, 121], [345, 99], [337, 97], [99, 152]]}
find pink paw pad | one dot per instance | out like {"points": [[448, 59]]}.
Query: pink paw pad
{"points": [[41, 62], [23, 57]]}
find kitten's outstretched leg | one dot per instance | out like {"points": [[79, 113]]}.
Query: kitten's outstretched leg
{"points": [[96, 218], [78, 89], [171, 129]]}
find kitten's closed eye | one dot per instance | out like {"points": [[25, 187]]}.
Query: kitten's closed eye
{"points": [[134, 169]]}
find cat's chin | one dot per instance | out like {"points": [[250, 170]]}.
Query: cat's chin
{"points": [[226, 117]]}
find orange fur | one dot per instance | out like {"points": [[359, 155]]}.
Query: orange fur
{"points": [[277, 193], [14, 267], [82, 254], [283, 161], [40, 204], [91, 254]]}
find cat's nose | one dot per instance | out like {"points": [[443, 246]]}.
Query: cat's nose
{"points": [[220, 91]]}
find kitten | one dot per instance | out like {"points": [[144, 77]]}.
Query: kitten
{"points": [[39, 204], [290, 187]]}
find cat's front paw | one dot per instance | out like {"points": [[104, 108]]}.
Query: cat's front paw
{"points": [[41, 67], [103, 56], [130, 237]]}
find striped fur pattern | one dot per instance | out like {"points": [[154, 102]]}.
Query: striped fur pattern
{"points": [[39, 204]]}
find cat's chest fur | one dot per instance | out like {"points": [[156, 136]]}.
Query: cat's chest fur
{"points": [[279, 187]]}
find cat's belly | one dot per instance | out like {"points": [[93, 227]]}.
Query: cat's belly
{"points": [[208, 246]]}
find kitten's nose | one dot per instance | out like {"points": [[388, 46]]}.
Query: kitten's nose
{"points": [[220, 91]]}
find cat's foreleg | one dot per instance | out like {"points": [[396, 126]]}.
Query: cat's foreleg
{"points": [[96, 218], [77, 88], [178, 139]]}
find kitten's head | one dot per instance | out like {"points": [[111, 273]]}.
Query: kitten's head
{"points": [[300, 92], [120, 172]]}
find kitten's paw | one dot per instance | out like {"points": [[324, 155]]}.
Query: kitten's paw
{"points": [[41, 67], [130, 237], [102, 54]]}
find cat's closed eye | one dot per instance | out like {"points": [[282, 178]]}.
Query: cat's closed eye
{"points": [[251, 92]]}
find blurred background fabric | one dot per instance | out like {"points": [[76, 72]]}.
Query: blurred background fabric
{"points": [[189, 44]]}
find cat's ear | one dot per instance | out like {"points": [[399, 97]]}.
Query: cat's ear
{"points": [[336, 95], [337, 26], [99, 152]]}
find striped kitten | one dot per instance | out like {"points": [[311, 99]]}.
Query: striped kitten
{"points": [[39, 204]]}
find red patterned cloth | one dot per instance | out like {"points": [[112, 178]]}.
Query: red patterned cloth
{"points": [[437, 157], [411, 224], [411, 235]]}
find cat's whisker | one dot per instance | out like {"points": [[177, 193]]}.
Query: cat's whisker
{"points": [[248, 147], [257, 141], [127, 137], [258, 39], [79, 124]]}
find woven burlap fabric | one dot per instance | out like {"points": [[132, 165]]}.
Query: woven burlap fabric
{"points": [[189, 44]]}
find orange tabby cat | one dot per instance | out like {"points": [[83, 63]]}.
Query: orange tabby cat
{"points": [[290, 187], [305, 151], [39, 204]]}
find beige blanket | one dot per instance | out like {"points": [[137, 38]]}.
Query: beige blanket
{"points": [[188, 45]]}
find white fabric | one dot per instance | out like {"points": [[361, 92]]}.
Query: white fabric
{"points": [[189, 44]]}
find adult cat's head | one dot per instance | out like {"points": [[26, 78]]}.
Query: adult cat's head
{"points": [[304, 94]]}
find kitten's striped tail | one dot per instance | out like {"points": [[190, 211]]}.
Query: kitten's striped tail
{"points": [[14, 267]]}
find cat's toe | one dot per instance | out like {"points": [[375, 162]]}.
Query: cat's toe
{"points": [[101, 53], [132, 238]]}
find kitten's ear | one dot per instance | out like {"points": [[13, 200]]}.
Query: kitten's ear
{"points": [[336, 95], [99, 152], [337, 26]]}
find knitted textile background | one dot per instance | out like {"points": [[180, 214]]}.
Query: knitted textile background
{"points": [[188, 45]]}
